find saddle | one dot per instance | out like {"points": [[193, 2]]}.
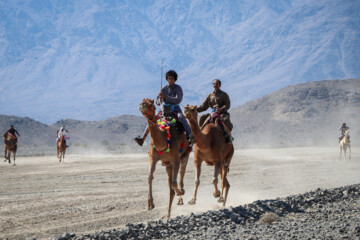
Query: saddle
{"points": [[10, 136], [216, 119], [169, 115]]}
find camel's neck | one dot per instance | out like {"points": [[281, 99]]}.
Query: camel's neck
{"points": [[201, 139], [158, 136]]}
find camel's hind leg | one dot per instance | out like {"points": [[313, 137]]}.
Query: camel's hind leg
{"points": [[340, 153], [197, 165], [224, 182], [217, 170], [169, 170], [14, 158]]}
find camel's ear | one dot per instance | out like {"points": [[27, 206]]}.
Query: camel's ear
{"points": [[152, 101]]}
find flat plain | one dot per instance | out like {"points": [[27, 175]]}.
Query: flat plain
{"points": [[40, 197]]}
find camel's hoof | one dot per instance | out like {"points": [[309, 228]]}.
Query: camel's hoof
{"points": [[192, 202], [180, 202], [221, 200], [182, 191], [216, 194], [151, 206], [166, 217]]}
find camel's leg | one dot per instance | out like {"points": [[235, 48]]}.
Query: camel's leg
{"points": [[5, 155], [63, 155], [152, 166], [224, 185], [14, 157], [197, 165], [169, 170], [183, 165], [215, 179], [174, 173]]}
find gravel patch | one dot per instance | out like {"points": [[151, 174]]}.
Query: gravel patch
{"points": [[320, 214]]}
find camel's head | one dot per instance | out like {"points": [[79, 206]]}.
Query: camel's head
{"points": [[147, 107], [190, 112]]}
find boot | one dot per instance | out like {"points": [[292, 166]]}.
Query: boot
{"points": [[140, 140], [191, 139]]}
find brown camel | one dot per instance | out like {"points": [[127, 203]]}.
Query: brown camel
{"points": [[344, 145], [173, 153], [61, 147], [10, 145], [212, 148]]}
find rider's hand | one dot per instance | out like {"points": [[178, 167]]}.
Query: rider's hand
{"points": [[162, 95]]}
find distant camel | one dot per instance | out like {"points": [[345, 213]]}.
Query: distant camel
{"points": [[212, 148], [10, 145], [344, 144], [171, 147], [61, 146]]}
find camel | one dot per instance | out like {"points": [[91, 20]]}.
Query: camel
{"points": [[344, 144], [61, 147], [171, 147], [210, 147], [10, 146]]}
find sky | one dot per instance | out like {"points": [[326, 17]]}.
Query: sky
{"points": [[92, 60]]}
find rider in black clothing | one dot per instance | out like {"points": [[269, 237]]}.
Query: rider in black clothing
{"points": [[13, 131]]}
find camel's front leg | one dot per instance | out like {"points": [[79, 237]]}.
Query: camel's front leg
{"points": [[5, 156], [215, 179], [169, 170], [183, 165], [152, 166], [197, 165]]}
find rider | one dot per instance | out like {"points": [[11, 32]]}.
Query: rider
{"points": [[12, 131], [65, 131], [219, 102], [171, 95], [342, 133]]}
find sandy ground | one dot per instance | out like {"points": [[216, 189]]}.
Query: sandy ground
{"points": [[41, 197]]}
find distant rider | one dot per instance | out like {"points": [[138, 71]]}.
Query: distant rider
{"points": [[13, 132], [66, 132], [342, 133]]}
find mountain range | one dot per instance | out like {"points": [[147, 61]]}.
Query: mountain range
{"points": [[307, 114], [92, 60]]}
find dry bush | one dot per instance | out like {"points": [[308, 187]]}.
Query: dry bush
{"points": [[268, 218]]}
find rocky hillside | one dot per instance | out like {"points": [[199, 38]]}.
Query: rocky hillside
{"points": [[300, 115], [111, 135]]}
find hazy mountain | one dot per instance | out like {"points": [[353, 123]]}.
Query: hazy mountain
{"points": [[308, 114], [91, 60]]}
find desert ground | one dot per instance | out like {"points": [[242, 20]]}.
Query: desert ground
{"points": [[41, 197]]}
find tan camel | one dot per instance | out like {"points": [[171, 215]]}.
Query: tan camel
{"points": [[61, 147], [10, 145], [174, 154], [210, 147], [344, 145]]}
